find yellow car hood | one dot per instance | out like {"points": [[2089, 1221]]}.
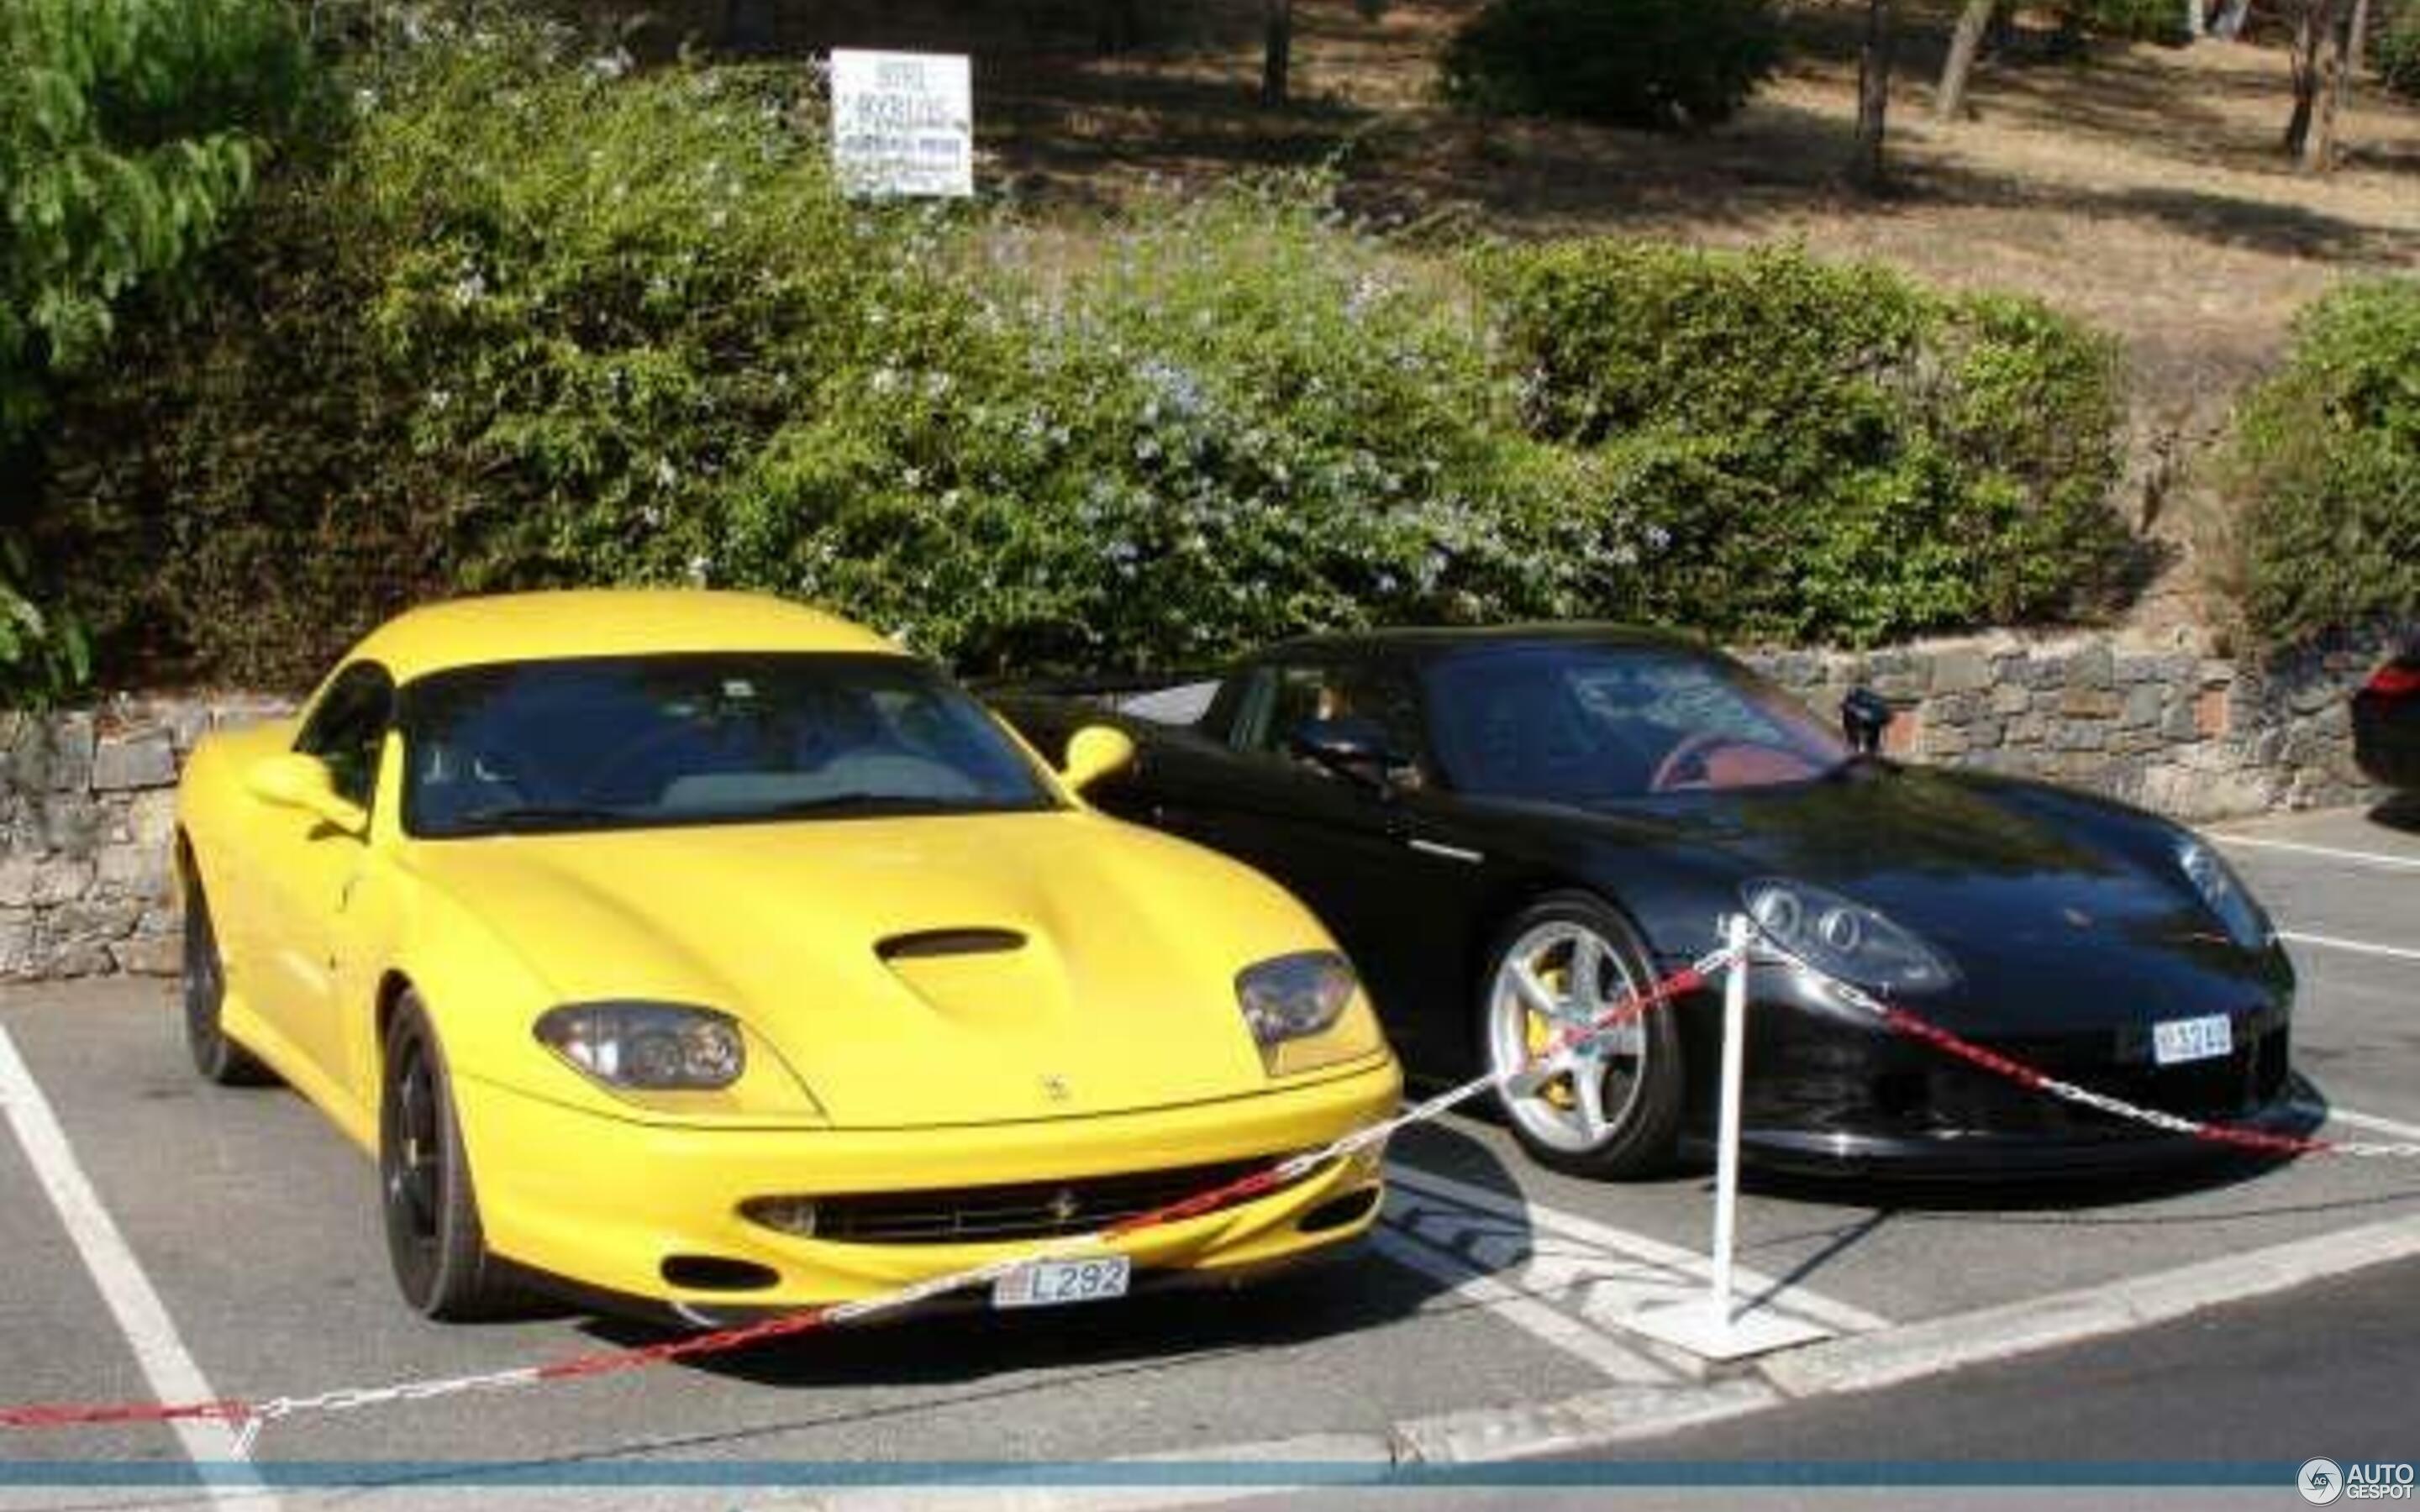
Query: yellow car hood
{"points": [[912, 971]]}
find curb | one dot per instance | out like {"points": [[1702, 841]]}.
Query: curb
{"points": [[1914, 1350], [1626, 1414]]}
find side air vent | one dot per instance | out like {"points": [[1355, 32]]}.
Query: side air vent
{"points": [[949, 942]]}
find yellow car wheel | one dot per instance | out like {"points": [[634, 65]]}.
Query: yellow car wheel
{"points": [[218, 1057], [434, 1235]]}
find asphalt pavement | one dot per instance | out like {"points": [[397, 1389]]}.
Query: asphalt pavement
{"points": [[1500, 1312]]}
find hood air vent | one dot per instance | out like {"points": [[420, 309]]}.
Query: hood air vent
{"points": [[932, 942]]}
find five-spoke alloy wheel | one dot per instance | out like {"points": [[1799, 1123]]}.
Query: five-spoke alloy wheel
{"points": [[1613, 1106]]}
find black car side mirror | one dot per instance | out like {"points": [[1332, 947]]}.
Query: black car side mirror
{"points": [[1351, 746], [1864, 715]]}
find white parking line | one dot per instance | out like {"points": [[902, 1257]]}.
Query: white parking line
{"points": [[142, 1318], [2397, 953], [1763, 1290], [2332, 852], [2374, 1124], [1593, 1347]]}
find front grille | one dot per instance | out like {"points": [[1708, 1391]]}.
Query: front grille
{"points": [[1026, 1210], [2231, 1087]]}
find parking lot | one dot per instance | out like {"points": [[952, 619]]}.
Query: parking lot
{"points": [[1497, 1311]]}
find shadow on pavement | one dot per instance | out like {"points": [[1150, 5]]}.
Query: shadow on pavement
{"points": [[2399, 810]]}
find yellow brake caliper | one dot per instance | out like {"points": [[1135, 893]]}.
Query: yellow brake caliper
{"points": [[1537, 1032]]}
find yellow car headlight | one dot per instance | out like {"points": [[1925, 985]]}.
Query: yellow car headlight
{"points": [[647, 1047], [1291, 997]]}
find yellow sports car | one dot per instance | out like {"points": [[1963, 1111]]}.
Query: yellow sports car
{"points": [[709, 954]]}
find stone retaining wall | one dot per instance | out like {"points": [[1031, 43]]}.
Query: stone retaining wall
{"points": [[87, 805], [2167, 726], [87, 810]]}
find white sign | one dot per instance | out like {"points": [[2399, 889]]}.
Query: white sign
{"points": [[903, 123]]}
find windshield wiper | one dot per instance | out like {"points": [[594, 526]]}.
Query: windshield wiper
{"points": [[543, 816], [848, 803]]}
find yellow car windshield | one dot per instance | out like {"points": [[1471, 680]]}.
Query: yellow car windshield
{"points": [[618, 742]]}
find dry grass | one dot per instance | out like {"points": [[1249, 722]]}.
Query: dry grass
{"points": [[2139, 187]]}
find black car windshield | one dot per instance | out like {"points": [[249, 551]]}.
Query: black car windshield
{"points": [[616, 742], [1580, 722]]}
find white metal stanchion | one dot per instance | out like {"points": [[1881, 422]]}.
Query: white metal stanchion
{"points": [[1728, 1138], [1712, 1325]]}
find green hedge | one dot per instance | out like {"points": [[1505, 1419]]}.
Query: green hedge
{"points": [[2396, 53], [131, 133], [523, 330], [2327, 461], [2141, 21], [1808, 450], [542, 326], [534, 323], [1658, 64]]}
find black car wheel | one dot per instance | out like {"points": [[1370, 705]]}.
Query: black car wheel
{"points": [[218, 1057], [1616, 1111], [434, 1235]]}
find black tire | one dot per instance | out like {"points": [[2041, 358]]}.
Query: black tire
{"points": [[431, 1209], [1636, 1136], [216, 1055]]}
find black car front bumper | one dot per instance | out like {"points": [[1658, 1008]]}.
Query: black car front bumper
{"points": [[1830, 1091]]}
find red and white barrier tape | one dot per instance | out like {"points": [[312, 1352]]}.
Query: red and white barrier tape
{"points": [[1903, 1021], [251, 1417]]}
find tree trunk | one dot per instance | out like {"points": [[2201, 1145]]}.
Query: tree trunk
{"points": [[1866, 169], [2305, 59], [2231, 18], [1949, 101], [2319, 82], [2320, 143], [2356, 37], [1277, 48], [2197, 24]]}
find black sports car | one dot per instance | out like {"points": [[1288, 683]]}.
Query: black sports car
{"points": [[1505, 827], [2386, 722]]}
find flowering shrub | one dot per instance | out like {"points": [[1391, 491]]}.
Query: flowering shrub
{"points": [[1239, 423], [543, 321], [1663, 65]]}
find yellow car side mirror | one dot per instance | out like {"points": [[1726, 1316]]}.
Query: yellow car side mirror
{"points": [[1094, 752], [295, 780]]}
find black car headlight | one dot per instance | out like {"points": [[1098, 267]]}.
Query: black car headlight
{"points": [[1844, 939], [2224, 892], [647, 1047], [1291, 997]]}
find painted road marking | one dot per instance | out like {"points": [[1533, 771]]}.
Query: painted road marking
{"points": [[142, 1318], [1633, 1255], [2332, 852], [1570, 1281], [2330, 942], [2374, 1124], [1549, 1325]]}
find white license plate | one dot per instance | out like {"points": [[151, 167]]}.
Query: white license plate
{"points": [[2178, 1040], [1055, 1283]]}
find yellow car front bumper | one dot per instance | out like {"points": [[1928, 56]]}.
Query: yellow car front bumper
{"points": [[607, 1203]]}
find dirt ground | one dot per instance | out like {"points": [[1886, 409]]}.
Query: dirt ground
{"points": [[2139, 187]]}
